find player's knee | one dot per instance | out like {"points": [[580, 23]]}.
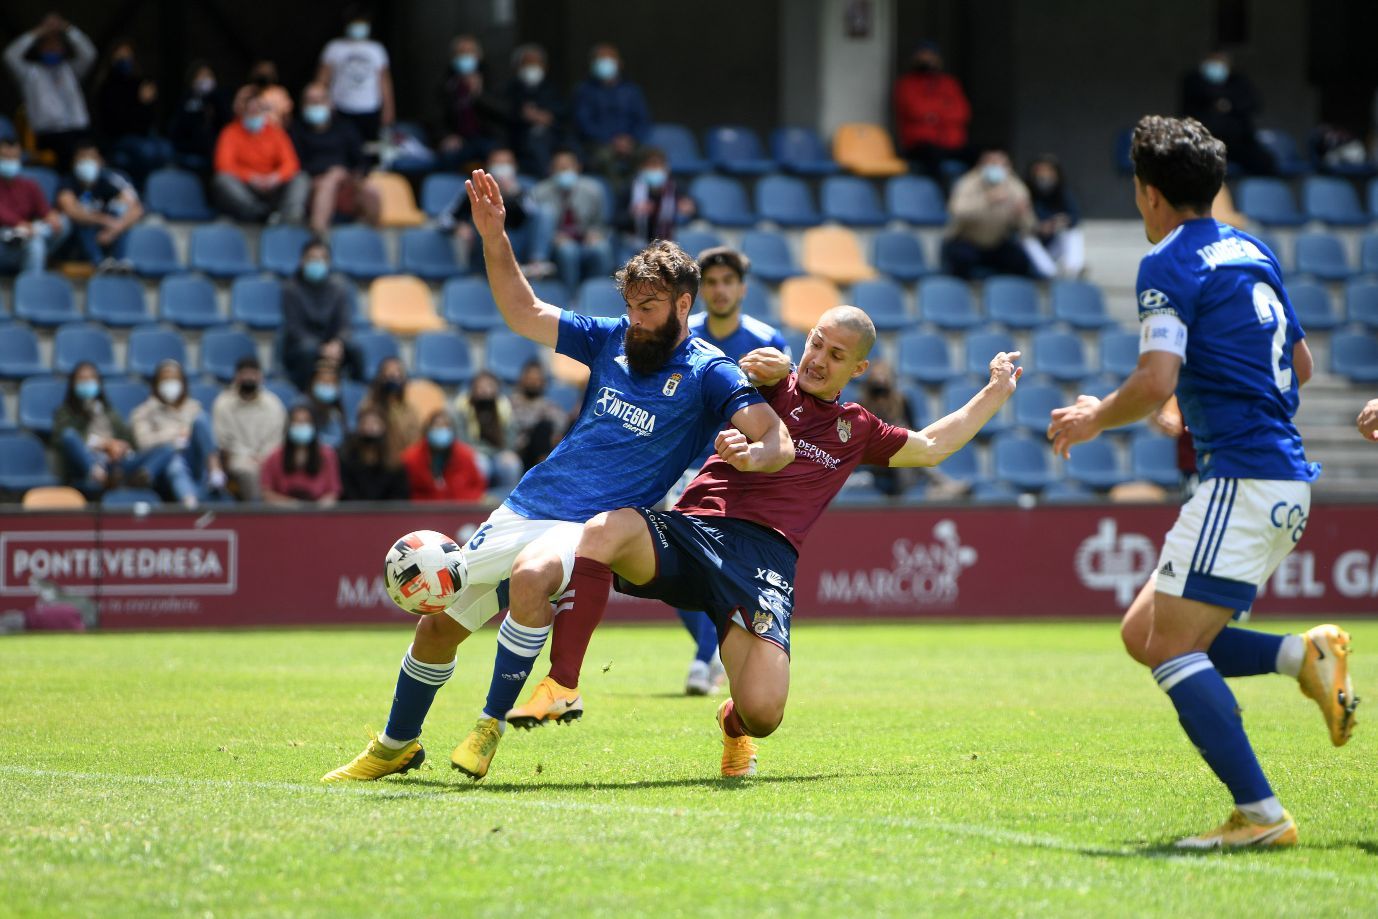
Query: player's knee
{"points": [[436, 638], [533, 581], [605, 534], [1134, 634], [760, 716]]}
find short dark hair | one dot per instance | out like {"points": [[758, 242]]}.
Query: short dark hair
{"points": [[1180, 158], [726, 257], [651, 153], [247, 362], [664, 266], [10, 142], [315, 242]]}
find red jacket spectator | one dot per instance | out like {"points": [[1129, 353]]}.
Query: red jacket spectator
{"points": [[245, 155], [21, 201], [460, 480], [931, 109]]}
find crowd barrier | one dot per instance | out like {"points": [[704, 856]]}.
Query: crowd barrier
{"points": [[242, 567]]}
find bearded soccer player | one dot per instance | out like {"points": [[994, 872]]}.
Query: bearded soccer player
{"points": [[1219, 331]]}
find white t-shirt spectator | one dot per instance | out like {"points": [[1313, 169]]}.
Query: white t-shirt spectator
{"points": [[355, 68]]}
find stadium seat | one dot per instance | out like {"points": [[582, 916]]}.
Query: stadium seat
{"points": [[1095, 464], [1013, 302], [44, 299], [398, 203], [737, 150], [801, 151], [19, 354], [787, 201], [980, 347], [220, 250], [1355, 355], [1269, 202], [280, 247], [256, 301], [1286, 156], [917, 200], [506, 353], [221, 349], [1333, 200], [722, 201], [125, 395], [770, 256], [550, 290], [1368, 253], [1119, 352], [359, 252], [1080, 305], [81, 341], [851, 201], [1322, 255], [1311, 303], [600, 297], [866, 150], [439, 190], [946, 302], [129, 497], [401, 304], [375, 347], [899, 254], [1361, 303], [1023, 462], [965, 465], [566, 397], [1033, 405], [287, 394], [39, 397], [835, 253], [429, 254], [151, 248], [352, 393], [188, 300], [757, 305], [24, 462], [923, 356], [680, 147], [1058, 354], [695, 241], [176, 195], [958, 392], [46, 180], [151, 344], [205, 392], [53, 498], [443, 357], [468, 303], [883, 301], [804, 300], [1153, 458], [1065, 491], [116, 300]]}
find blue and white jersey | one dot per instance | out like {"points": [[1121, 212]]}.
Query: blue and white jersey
{"points": [[1213, 295], [635, 432], [751, 334]]}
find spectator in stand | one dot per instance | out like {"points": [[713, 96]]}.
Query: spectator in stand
{"points": [[364, 472], [573, 205], [472, 116], [264, 83], [388, 394], [991, 214], [485, 416], [94, 445], [332, 154], [652, 206], [1225, 101], [302, 471], [324, 399], [1056, 247], [535, 110], [441, 467], [247, 420], [882, 397], [29, 228], [316, 318], [127, 116], [357, 70], [527, 227], [257, 174], [49, 62], [204, 111], [1367, 422], [610, 115], [931, 112], [101, 206], [170, 418], [538, 424]]}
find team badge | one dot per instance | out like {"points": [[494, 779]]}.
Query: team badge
{"points": [[761, 622], [672, 384], [844, 430]]}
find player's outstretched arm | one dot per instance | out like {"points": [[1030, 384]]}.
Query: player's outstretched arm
{"points": [[951, 433], [765, 366], [1367, 422], [523, 313], [758, 442], [1148, 387]]}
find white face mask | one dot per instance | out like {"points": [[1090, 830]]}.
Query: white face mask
{"points": [[170, 390], [357, 31], [532, 74]]}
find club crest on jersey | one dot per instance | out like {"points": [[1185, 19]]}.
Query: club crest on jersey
{"points": [[672, 384], [761, 622], [844, 430]]}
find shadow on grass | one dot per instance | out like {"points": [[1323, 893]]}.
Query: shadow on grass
{"points": [[461, 784]]}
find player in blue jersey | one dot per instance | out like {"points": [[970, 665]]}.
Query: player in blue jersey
{"points": [[656, 397], [1217, 329]]}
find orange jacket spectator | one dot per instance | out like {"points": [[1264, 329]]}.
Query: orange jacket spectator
{"points": [[459, 480], [244, 154], [931, 109]]}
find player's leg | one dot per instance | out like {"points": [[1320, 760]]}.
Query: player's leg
{"points": [[705, 670], [758, 680]]}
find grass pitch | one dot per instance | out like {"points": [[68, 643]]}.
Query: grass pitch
{"points": [[959, 770]]}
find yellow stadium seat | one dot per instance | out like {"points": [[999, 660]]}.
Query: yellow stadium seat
{"points": [[803, 300], [398, 204], [53, 497], [425, 396], [835, 253], [568, 370], [866, 150], [401, 304]]}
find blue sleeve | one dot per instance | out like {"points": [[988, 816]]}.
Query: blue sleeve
{"points": [[726, 389], [778, 341], [583, 337], [1163, 288]]}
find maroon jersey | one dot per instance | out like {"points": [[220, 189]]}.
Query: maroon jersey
{"points": [[830, 440]]}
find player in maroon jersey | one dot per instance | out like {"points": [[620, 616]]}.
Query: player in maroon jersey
{"points": [[731, 543]]}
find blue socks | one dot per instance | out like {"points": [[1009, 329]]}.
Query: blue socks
{"points": [[518, 648], [1242, 652], [705, 633], [417, 685]]}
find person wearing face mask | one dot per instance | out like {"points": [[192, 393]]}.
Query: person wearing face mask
{"points": [[573, 204], [29, 228], [170, 420], [357, 71], [101, 205], [530, 229], [652, 207], [611, 119], [365, 474], [326, 400], [94, 444], [388, 395], [536, 112], [990, 215], [262, 82], [1057, 247], [931, 112], [127, 115], [1226, 102], [48, 63], [257, 174], [471, 115], [440, 466], [332, 155], [302, 471], [204, 110], [317, 315], [485, 420], [247, 421]]}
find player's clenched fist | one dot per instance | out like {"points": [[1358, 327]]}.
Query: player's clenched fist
{"points": [[485, 204], [764, 366], [1003, 371], [1368, 420], [734, 447]]}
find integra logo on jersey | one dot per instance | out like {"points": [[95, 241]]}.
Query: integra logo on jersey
{"points": [[633, 417]]}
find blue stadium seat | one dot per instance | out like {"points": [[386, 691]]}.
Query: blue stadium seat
{"points": [[359, 252], [680, 147], [923, 356], [1119, 352], [352, 393], [361, 319], [600, 297], [1153, 458], [770, 256], [722, 201], [1059, 354], [375, 347], [1013, 302], [1354, 355], [288, 394], [802, 152], [44, 299], [946, 302], [786, 200], [900, 255], [116, 300], [129, 497], [124, 395], [150, 247], [565, 396], [506, 353], [151, 344], [444, 358], [756, 304], [1034, 403], [80, 341], [39, 397], [1080, 305], [980, 347], [552, 291], [439, 190], [958, 392], [737, 150], [1273, 244], [1023, 462], [1368, 254], [429, 254], [1286, 155], [23, 462], [177, 195], [220, 250], [1095, 464], [851, 201], [256, 302], [468, 303], [1311, 303], [19, 354], [221, 349], [205, 392], [1269, 202], [883, 301], [1065, 491], [46, 179], [1361, 303], [695, 241], [1322, 255], [1334, 201], [917, 200], [964, 465], [279, 248], [188, 300]]}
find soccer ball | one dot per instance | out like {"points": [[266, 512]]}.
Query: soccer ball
{"points": [[425, 571]]}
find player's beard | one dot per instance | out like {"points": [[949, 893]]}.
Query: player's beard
{"points": [[647, 352]]}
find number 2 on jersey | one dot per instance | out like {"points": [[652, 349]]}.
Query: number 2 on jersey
{"points": [[1269, 309]]}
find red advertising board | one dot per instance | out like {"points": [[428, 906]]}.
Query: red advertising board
{"points": [[260, 567]]}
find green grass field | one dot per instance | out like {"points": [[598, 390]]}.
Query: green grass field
{"points": [[1001, 769]]}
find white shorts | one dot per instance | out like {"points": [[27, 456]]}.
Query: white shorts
{"points": [[1230, 538], [490, 553]]}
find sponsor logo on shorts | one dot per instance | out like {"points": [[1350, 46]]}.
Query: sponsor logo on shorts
{"points": [[774, 601], [1291, 517], [672, 384], [633, 417], [1166, 571], [761, 622], [774, 579]]}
